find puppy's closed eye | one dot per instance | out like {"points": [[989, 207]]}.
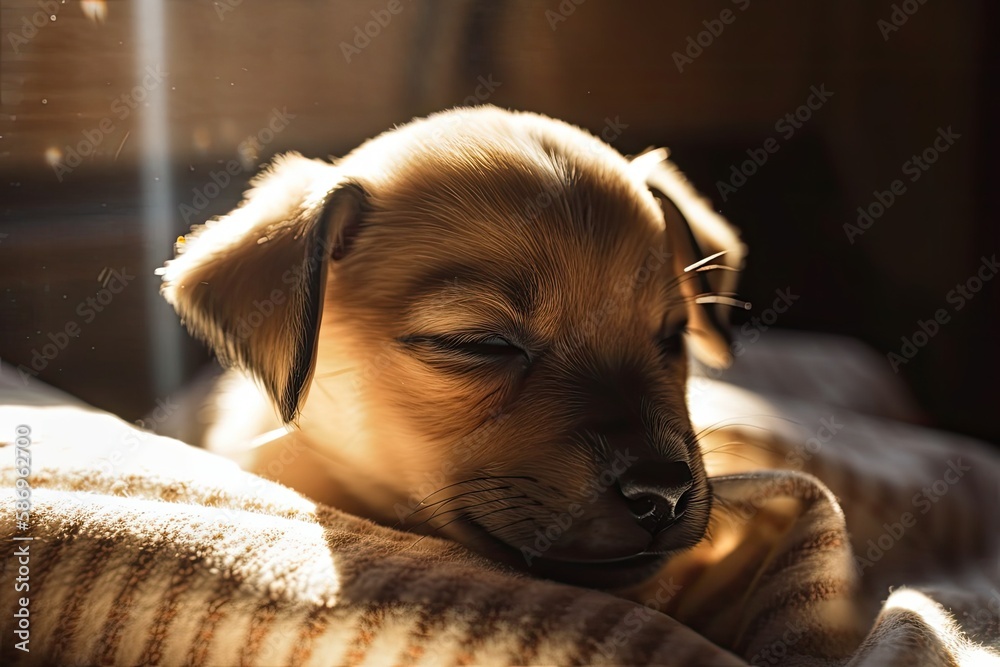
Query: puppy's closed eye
{"points": [[476, 347], [439, 336]]}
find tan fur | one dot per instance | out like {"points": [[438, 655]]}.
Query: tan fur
{"points": [[470, 223]]}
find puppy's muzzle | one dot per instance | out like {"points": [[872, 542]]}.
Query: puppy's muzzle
{"points": [[656, 493]]}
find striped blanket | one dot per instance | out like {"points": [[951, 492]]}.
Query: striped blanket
{"points": [[843, 534]]}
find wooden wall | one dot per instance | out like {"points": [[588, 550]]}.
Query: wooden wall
{"points": [[230, 65]]}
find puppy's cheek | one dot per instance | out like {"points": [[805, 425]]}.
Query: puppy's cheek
{"points": [[442, 384], [433, 408]]}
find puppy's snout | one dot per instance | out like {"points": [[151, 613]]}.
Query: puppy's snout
{"points": [[656, 492]]}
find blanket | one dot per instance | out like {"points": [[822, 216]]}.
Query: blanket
{"points": [[843, 534]]}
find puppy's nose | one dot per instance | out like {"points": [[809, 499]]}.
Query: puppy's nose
{"points": [[656, 492]]}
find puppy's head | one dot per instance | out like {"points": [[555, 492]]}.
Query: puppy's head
{"points": [[484, 317]]}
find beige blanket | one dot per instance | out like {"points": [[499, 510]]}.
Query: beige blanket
{"points": [[146, 551]]}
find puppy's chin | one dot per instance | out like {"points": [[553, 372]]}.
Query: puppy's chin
{"points": [[609, 574]]}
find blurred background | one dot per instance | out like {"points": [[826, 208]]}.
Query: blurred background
{"points": [[854, 143]]}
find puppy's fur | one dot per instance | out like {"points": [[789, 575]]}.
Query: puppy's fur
{"points": [[477, 324]]}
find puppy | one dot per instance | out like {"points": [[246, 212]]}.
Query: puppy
{"points": [[477, 326]]}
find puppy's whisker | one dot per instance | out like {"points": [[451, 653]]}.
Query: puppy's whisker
{"points": [[476, 479], [739, 443], [724, 301], [687, 277], [716, 267], [468, 341], [502, 509], [682, 279], [462, 517], [427, 506], [701, 294], [731, 421], [733, 454], [512, 523], [483, 515], [486, 502], [441, 511], [731, 511], [721, 298], [704, 260], [438, 505], [724, 505], [714, 520]]}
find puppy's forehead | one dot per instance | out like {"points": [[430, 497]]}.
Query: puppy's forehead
{"points": [[514, 202], [510, 182]]}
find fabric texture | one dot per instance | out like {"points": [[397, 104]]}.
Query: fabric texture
{"points": [[843, 534]]}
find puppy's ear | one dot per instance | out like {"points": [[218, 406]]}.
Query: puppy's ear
{"points": [[251, 283], [695, 232]]}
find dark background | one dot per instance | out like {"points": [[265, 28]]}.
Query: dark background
{"points": [[228, 65]]}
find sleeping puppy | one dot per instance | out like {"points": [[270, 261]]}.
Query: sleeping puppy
{"points": [[477, 326]]}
